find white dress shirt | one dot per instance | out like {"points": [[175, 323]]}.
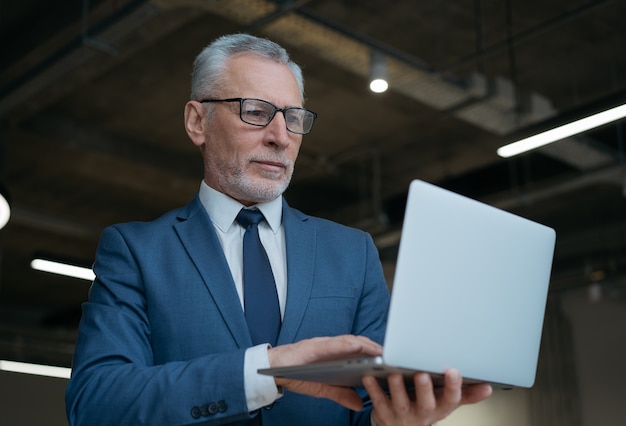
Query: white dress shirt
{"points": [[222, 209]]}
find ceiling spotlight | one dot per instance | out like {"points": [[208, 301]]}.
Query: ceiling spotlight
{"points": [[5, 206], [378, 72]]}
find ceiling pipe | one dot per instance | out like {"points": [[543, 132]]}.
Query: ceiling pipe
{"points": [[523, 36], [70, 56], [284, 7], [93, 41], [612, 175]]}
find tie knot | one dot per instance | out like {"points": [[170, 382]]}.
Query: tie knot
{"points": [[247, 217]]}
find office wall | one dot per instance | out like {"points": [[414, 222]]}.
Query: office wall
{"points": [[597, 322], [600, 347], [503, 408], [27, 400]]}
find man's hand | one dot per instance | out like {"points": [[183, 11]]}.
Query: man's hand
{"points": [[321, 349], [428, 406]]}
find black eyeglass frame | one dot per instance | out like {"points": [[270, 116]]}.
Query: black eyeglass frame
{"points": [[276, 109]]}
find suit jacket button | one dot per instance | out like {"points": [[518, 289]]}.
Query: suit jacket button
{"points": [[205, 410], [196, 412], [212, 408], [221, 406]]}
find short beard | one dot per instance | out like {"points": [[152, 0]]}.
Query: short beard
{"points": [[241, 187]]}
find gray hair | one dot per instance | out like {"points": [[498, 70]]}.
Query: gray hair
{"points": [[208, 69]]}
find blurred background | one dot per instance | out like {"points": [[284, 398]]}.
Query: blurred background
{"points": [[91, 134]]}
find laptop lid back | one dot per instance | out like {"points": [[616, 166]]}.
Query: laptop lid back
{"points": [[470, 289]]}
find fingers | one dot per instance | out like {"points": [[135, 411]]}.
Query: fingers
{"points": [[379, 399], [399, 407], [428, 405], [343, 396], [339, 347], [452, 393], [476, 393], [425, 400], [400, 402], [323, 349]]}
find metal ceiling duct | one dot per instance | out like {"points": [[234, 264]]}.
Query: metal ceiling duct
{"points": [[487, 103]]}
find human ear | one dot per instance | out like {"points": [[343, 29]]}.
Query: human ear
{"points": [[195, 122]]}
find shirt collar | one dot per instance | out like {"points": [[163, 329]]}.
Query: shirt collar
{"points": [[223, 209]]}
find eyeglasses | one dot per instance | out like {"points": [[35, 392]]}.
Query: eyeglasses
{"points": [[260, 113]]}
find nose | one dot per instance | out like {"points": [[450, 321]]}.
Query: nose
{"points": [[277, 133]]}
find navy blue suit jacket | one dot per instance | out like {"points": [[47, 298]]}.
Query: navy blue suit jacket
{"points": [[163, 335]]}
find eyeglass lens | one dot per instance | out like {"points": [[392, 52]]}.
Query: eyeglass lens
{"points": [[260, 113]]}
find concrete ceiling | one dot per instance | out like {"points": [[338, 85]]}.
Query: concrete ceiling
{"points": [[92, 93]]}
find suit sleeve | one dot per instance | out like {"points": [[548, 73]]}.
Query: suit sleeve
{"points": [[115, 379], [371, 316]]}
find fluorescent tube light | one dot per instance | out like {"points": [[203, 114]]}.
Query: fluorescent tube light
{"points": [[63, 269], [562, 132], [37, 369]]}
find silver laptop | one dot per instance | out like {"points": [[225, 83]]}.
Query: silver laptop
{"points": [[469, 292]]}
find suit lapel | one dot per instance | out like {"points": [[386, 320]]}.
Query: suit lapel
{"points": [[300, 244], [200, 241]]}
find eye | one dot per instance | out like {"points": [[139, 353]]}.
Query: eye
{"points": [[294, 116], [257, 113]]}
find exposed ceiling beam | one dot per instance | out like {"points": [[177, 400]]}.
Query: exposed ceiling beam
{"points": [[46, 81]]}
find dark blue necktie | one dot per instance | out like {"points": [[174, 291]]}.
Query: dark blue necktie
{"points": [[259, 289]]}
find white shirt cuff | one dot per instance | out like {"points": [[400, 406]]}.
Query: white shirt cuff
{"points": [[260, 389]]}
